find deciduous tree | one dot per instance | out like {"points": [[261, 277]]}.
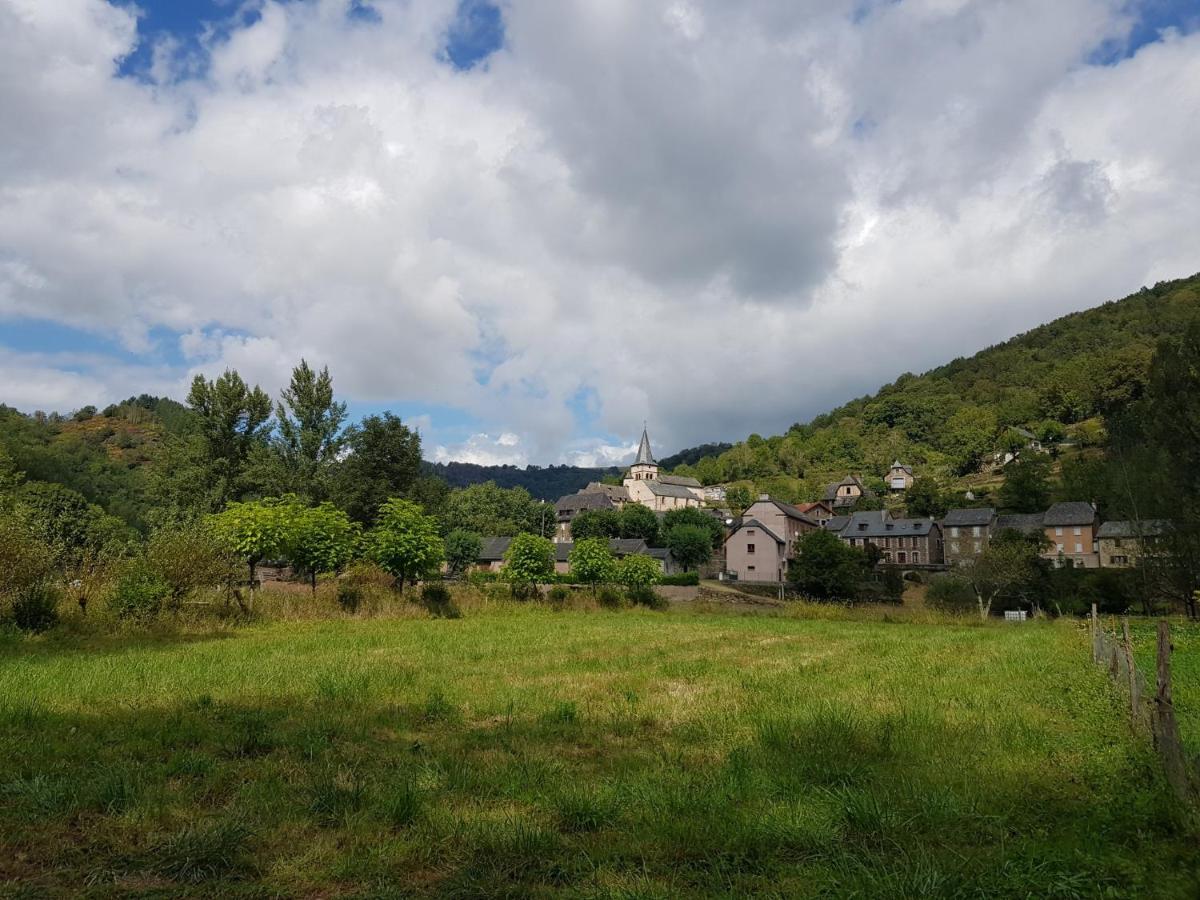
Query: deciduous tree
{"points": [[462, 551], [405, 541], [691, 545], [383, 460], [529, 561], [592, 561]]}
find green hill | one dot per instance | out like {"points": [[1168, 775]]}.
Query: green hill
{"points": [[1056, 380]]}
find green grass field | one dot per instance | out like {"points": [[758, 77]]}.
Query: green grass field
{"points": [[525, 752], [1185, 670]]}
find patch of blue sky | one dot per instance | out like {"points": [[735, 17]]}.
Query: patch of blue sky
{"points": [[1151, 19], [475, 34]]}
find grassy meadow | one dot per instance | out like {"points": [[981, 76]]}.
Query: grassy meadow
{"points": [[524, 751], [1185, 670]]}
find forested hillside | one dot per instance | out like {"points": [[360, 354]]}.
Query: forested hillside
{"points": [[544, 483], [1058, 381]]}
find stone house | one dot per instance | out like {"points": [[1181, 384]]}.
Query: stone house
{"points": [[899, 477], [1123, 544], [759, 546], [820, 511], [966, 533], [903, 542], [568, 507], [846, 492], [1071, 529]]}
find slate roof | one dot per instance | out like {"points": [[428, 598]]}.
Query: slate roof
{"points": [[899, 465], [644, 457], [754, 523], [1074, 512], [1147, 527], [837, 523], [617, 492], [1023, 522], [680, 479], [792, 512], [493, 548], [873, 524], [573, 503], [969, 517], [662, 489], [831, 491]]}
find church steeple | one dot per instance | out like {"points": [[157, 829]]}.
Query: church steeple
{"points": [[644, 468], [644, 457]]}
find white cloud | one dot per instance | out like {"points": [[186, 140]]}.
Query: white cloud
{"points": [[717, 217], [485, 450]]}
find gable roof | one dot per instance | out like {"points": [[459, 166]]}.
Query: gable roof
{"points": [[618, 546], [1144, 528], [1023, 522], [664, 489], [683, 480], [493, 548], [899, 465], [837, 523], [792, 512], [970, 517], [617, 492], [573, 503], [644, 456], [878, 523], [754, 523], [831, 491], [1073, 512]]}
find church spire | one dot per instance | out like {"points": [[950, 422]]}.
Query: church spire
{"points": [[644, 457]]}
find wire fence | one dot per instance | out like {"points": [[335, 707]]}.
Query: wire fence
{"points": [[1151, 708]]}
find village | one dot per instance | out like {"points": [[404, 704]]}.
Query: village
{"points": [[760, 541]]}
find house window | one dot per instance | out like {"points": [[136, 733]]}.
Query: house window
{"points": [[1117, 543], [749, 548], [887, 556], [954, 531], [916, 558], [749, 568], [1079, 548], [1059, 547], [749, 531], [1120, 560], [1058, 532], [954, 546], [976, 532], [901, 557], [978, 547], [1078, 531]]}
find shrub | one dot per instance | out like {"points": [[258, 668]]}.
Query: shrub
{"points": [[683, 579], [349, 596], [950, 593], [35, 608], [435, 597], [358, 581], [609, 598], [482, 576], [190, 557], [558, 595], [644, 595], [140, 592]]}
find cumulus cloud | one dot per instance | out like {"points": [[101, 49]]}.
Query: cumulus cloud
{"points": [[717, 217]]}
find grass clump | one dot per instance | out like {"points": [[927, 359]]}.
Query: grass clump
{"points": [[202, 852]]}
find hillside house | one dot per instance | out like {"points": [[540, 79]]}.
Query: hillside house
{"points": [[1071, 529], [846, 493], [903, 542], [966, 533], [715, 493], [820, 511], [1123, 544], [899, 477], [759, 546]]}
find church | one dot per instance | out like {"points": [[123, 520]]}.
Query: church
{"points": [[659, 492], [642, 485]]}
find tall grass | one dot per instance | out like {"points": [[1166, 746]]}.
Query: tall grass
{"points": [[523, 750]]}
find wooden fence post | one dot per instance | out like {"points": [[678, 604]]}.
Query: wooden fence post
{"points": [[1166, 728], [1135, 693], [1095, 635]]}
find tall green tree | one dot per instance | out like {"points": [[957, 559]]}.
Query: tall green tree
{"points": [[826, 567], [592, 561], [596, 523], [310, 436], [691, 545], [925, 499], [406, 542], [383, 460], [462, 551], [494, 511], [639, 522], [233, 420], [1026, 487]]}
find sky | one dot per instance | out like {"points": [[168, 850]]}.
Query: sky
{"points": [[529, 226]]}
